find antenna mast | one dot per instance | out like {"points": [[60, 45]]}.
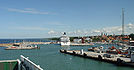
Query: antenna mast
{"points": [[122, 21]]}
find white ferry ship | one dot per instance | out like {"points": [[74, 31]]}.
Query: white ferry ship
{"points": [[64, 40]]}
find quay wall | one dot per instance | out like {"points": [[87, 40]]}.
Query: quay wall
{"points": [[119, 61]]}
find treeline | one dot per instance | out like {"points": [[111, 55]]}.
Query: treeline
{"points": [[131, 36], [58, 38], [94, 39]]}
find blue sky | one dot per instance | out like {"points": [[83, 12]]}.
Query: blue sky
{"points": [[49, 18]]}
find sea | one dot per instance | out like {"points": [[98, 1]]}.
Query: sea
{"points": [[49, 58], [23, 40]]}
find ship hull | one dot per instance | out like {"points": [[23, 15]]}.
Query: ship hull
{"points": [[65, 43]]}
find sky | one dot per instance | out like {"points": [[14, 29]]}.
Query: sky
{"points": [[50, 18]]}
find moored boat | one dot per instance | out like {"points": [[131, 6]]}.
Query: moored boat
{"points": [[21, 46], [64, 40]]}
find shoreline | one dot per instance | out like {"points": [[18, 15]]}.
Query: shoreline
{"points": [[6, 45]]}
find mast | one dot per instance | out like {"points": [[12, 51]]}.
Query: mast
{"points": [[123, 22]]}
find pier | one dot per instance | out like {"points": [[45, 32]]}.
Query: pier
{"points": [[81, 44], [22, 48], [110, 58]]}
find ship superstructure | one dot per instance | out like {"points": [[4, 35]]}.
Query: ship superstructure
{"points": [[64, 40]]}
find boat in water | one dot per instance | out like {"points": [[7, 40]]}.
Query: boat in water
{"points": [[21, 46], [64, 40]]}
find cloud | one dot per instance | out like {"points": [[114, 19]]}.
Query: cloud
{"points": [[129, 28], [96, 31], [27, 10], [130, 25], [51, 32]]}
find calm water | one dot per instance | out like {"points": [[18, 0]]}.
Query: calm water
{"points": [[23, 40], [49, 58]]}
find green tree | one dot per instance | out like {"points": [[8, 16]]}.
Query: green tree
{"points": [[56, 39], [72, 38], [131, 36], [96, 40]]}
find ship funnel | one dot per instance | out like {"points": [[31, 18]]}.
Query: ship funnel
{"points": [[64, 33]]}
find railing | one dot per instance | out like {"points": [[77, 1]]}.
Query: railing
{"points": [[26, 64]]}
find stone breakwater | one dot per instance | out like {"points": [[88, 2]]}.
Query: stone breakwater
{"points": [[6, 45], [10, 44]]}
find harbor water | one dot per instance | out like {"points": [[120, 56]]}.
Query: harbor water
{"points": [[49, 58]]}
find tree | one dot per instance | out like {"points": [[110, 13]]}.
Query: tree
{"points": [[56, 39], [131, 36], [96, 40]]}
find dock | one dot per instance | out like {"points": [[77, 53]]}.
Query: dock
{"points": [[115, 59], [81, 44]]}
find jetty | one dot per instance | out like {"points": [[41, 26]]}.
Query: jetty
{"points": [[6, 44], [81, 44], [21, 48], [110, 58], [34, 43]]}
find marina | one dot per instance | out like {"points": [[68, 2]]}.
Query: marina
{"points": [[67, 35], [122, 56], [49, 58], [87, 36], [81, 44], [97, 56]]}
